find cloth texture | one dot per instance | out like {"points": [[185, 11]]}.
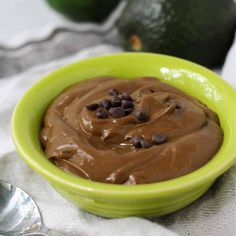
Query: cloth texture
{"points": [[213, 214]]}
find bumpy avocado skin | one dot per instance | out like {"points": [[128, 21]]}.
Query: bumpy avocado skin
{"points": [[84, 10], [198, 30]]}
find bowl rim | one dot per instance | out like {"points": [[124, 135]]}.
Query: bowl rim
{"points": [[58, 177]]}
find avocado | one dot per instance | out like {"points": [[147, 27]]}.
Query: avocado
{"points": [[84, 10], [197, 30]]}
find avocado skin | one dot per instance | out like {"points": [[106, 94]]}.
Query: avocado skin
{"points": [[84, 10], [197, 30]]}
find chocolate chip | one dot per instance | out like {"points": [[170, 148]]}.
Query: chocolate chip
{"points": [[145, 143], [126, 96], [141, 116], [92, 106], [127, 104], [136, 141], [152, 91], [116, 102], [177, 105], [113, 92], [105, 103], [128, 110], [159, 138], [117, 112], [101, 114]]}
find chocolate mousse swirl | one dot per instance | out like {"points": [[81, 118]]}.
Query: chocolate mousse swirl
{"points": [[132, 131]]}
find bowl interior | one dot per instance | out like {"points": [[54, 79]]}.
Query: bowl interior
{"points": [[189, 77]]}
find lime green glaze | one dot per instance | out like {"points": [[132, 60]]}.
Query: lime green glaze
{"points": [[118, 200]]}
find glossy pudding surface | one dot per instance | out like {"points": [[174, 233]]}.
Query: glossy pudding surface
{"points": [[129, 131]]}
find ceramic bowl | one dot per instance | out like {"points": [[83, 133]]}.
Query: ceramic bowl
{"points": [[111, 200]]}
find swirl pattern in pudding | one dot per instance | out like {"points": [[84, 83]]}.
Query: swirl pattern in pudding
{"points": [[129, 131]]}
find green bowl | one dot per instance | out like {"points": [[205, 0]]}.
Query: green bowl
{"points": [[111, 200]]}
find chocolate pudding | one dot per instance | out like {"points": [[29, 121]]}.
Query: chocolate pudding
{"points": [[129, 131]]}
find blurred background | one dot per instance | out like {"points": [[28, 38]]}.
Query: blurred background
{"points": [[34, 32], [39, 31]]}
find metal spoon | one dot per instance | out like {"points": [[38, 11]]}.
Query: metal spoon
{"points": [[19, 214]]}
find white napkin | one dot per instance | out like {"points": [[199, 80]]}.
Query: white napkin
{"points": [[213, 214]]}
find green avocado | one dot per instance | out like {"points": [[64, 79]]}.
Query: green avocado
{"points": [[197, 30], [84, 10]]}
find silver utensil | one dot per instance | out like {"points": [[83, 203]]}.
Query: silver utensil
{"points": [[19, 214]]}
